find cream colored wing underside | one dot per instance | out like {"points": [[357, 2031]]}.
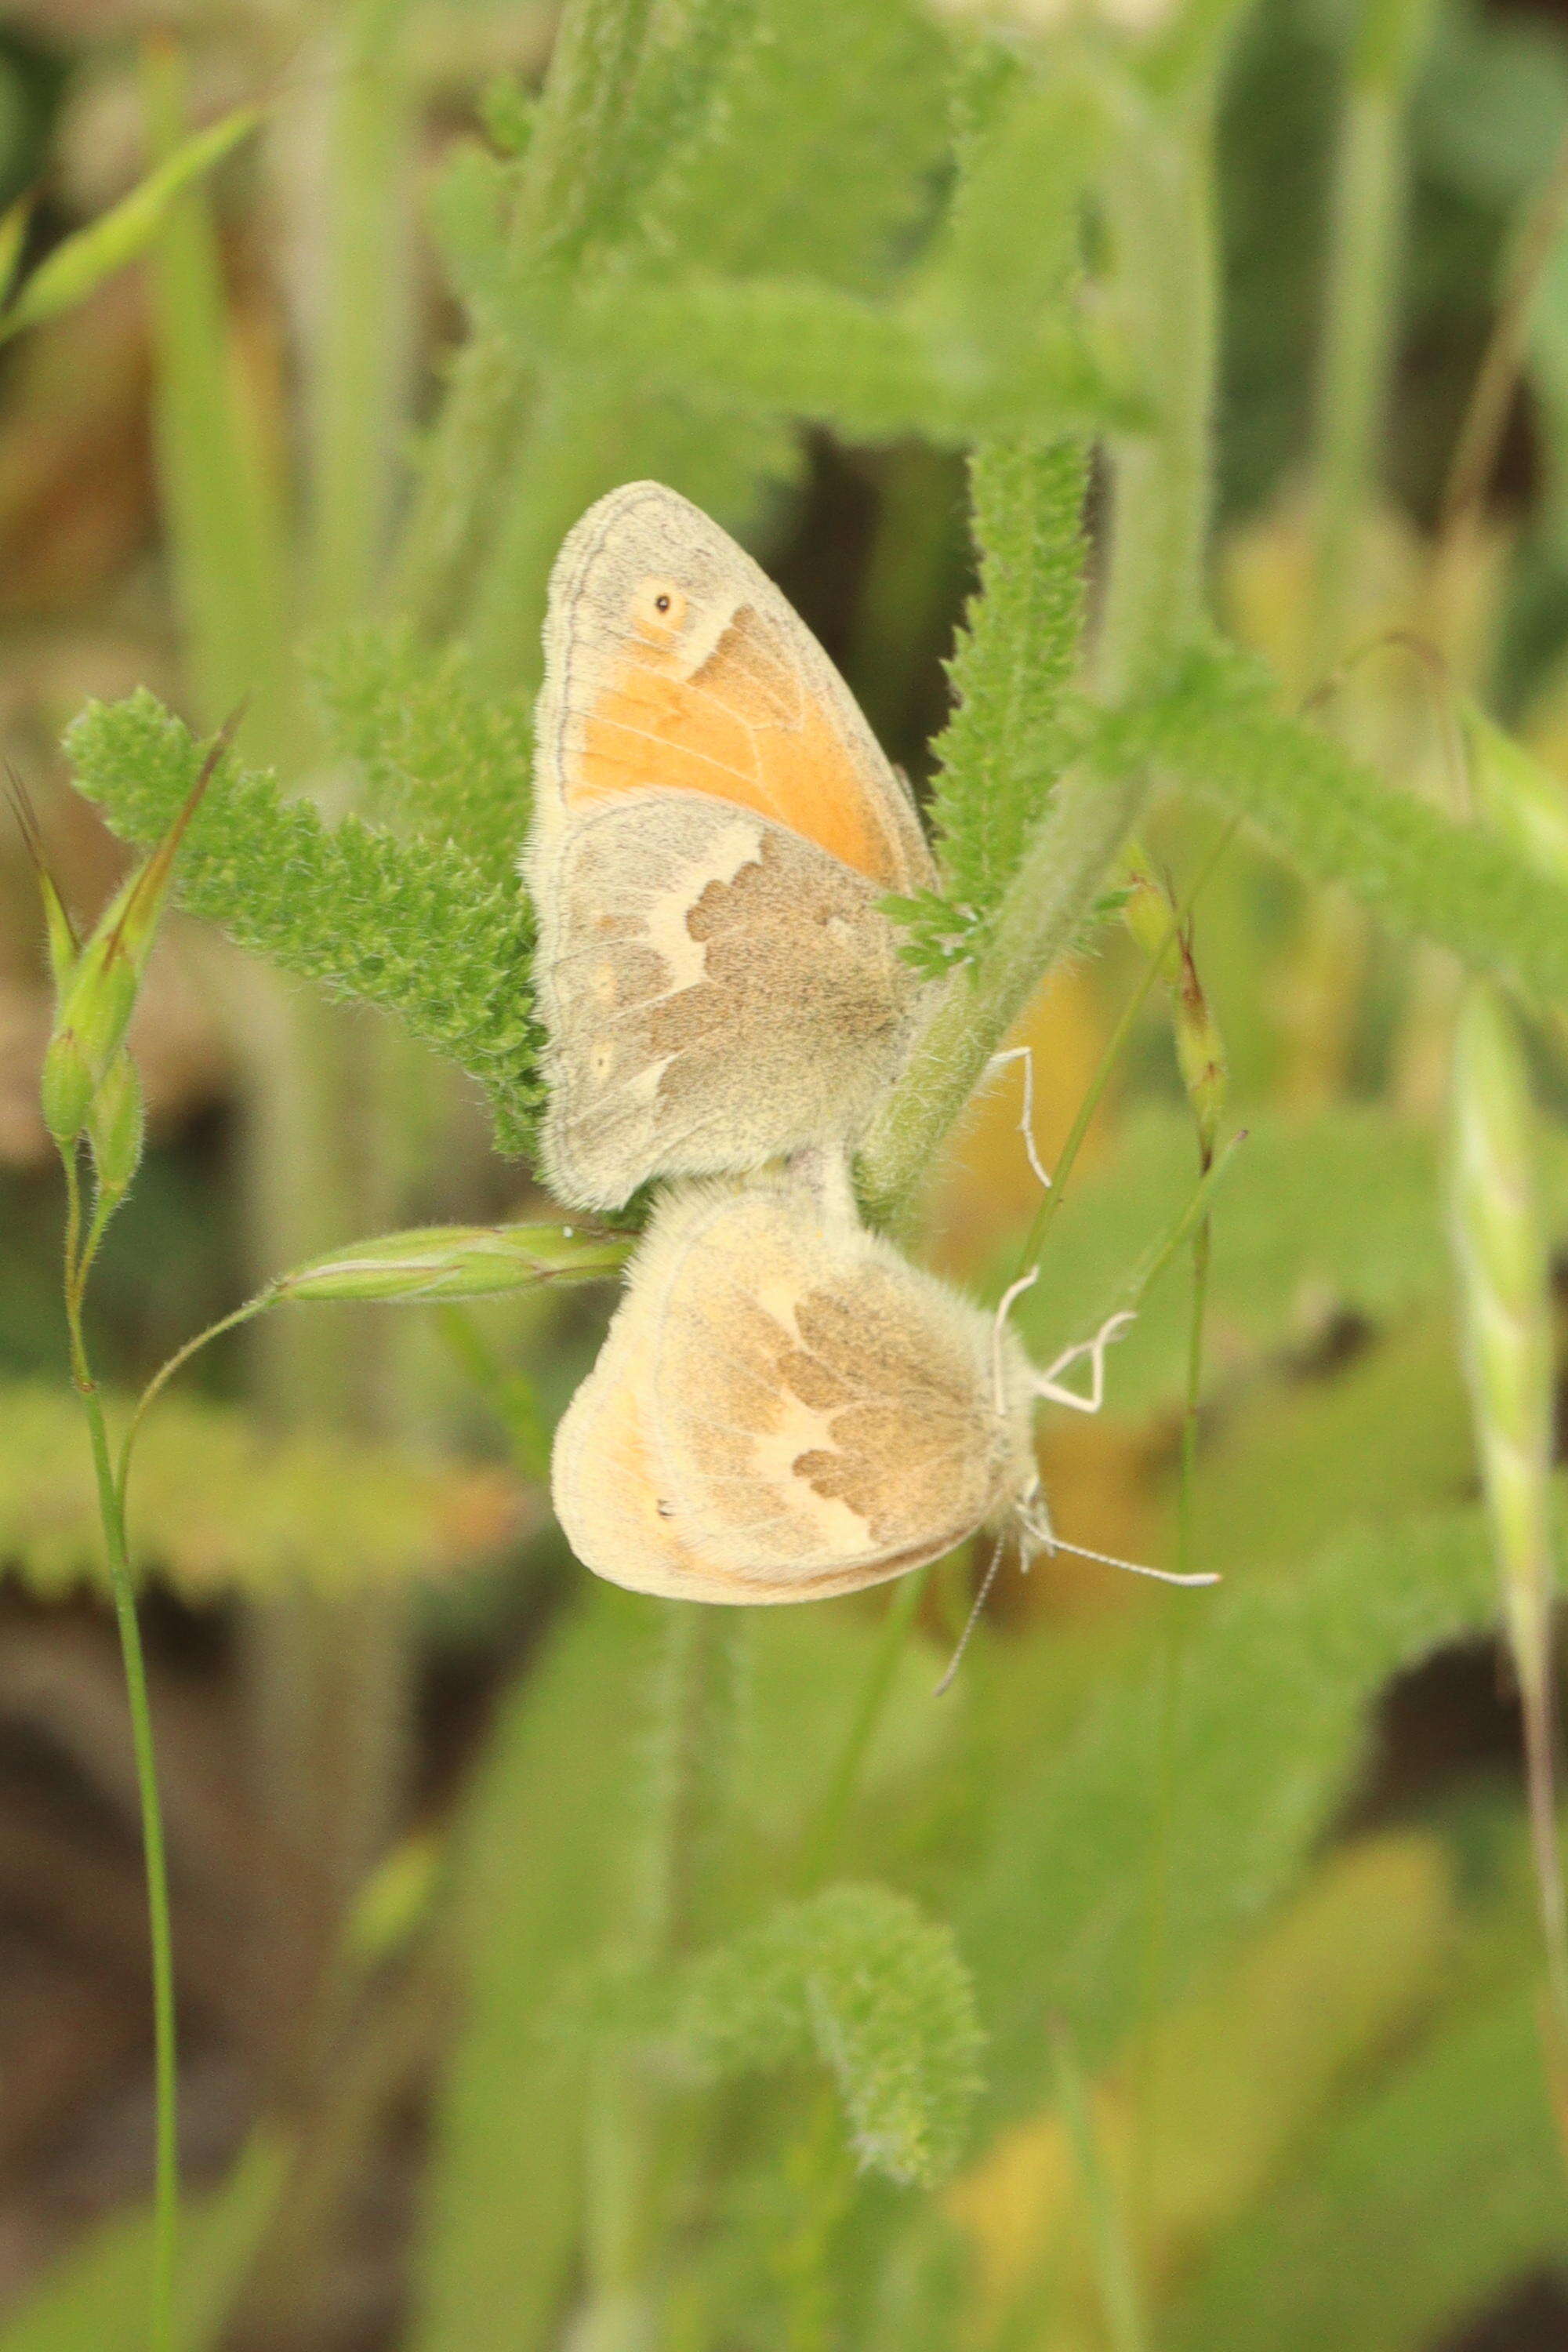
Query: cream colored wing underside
{"points": [[783, 1408], [741, 702], [715, 992]]}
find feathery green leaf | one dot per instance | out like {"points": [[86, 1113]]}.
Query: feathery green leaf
{"points": [[219, 1505], [812, 142], [1276, 1677], [439, 757], [424, 932], [858, 1974], [1009, 735], [873, 370], [1338, 821]]}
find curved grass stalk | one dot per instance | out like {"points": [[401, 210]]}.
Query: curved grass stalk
{"points": [[111, 1512], [1158, 201]]}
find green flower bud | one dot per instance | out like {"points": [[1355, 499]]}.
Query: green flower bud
{"points": [[1199, 1049], [66, 1091], [98, 996], [1146, 911], [116, 1127], [456, 1262], [98, 1000]]}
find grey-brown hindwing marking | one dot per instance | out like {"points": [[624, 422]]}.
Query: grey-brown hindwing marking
{"points": [[717, 990]]}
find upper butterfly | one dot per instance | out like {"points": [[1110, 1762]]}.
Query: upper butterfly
{"points": [[714, 827]]}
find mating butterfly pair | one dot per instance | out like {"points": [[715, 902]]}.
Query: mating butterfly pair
{"points": [[784, 1406]]}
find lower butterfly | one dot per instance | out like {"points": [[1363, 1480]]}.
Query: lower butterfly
{"points": [[784, 1408]]}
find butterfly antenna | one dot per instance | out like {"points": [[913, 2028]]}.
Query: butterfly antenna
{"points": [[1039, 1536], [981, 1597], [1133, 1567], [1024, 1053]]}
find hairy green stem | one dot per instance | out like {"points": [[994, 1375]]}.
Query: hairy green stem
{"points": [[1358, 323], [820, 1848], [1352, 386], [1160, 206], [111, 1512], [225, 528], [1079, 835], [571, 165], [1158, 201], [685, 1790], [361, 330]]}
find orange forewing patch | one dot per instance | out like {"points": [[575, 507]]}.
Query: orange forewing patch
{"points": [[745, 728]]}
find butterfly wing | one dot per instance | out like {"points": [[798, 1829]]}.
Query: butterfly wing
{"points": [[672, 662], [715, 990], [809, 1414]]}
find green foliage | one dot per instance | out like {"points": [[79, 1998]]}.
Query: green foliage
{"points": [[1408, 2213], [217, 1505], [1337, 1212], [79, 263], [719, 220], [807, 132], [1009, 736], [1384, 1432], [469, 205], [796, 347], [98, 2296], [421, 931], [1271, 1687], [1338, 821], [542, 1880], [857, 1974], [438, 757], [223, 504]]}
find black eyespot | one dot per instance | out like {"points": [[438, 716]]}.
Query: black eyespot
{"points": [[661, 602]]}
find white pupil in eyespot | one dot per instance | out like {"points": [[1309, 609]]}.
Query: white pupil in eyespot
{"points": [[661, 603]]}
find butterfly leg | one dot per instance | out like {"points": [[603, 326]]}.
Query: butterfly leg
{"points": [[1050, 1384], [1024, 1053]]}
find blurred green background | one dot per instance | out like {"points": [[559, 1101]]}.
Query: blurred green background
{"points": [[1239, 1895]]}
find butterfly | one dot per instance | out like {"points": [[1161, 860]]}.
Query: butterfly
{"points": [[785, 1408], [714, 829]]}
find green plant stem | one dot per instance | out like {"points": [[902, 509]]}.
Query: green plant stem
{"points": [[1046, 1214], [1480, 434], [685, 1791], [1360, 315], [361, 332], [225, 528], [1355, 361], [1118, 2295], [111, 1512], [1172, 1648], [572, 157], [1201, 1250], [176, 1363], [1159, 207], [1158, 201], [820, 1848]]}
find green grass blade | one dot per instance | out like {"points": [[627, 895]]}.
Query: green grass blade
{"points": [[79, 263]]}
